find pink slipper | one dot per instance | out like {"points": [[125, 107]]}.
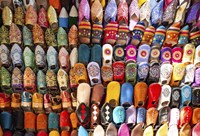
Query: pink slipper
{"points": [[134, 14]]}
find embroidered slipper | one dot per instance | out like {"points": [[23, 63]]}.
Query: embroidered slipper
{"points": [[41, 82], [106, 74], [178, 73], [97, 12], [175, 97], [165, 96], [94, 73], [97, 32], [192, 14], [73, 37], [138, 32], [17, 80], [55, 4], [47, 103], [31, 17], [19, 16], [52, 86], [123, 34], [159, 36], [80, 73], [154, 55], [29, 80], [5, 101], [38, 36], [156, 13], [50, 38], [166, 55], [189, 74], [29, 56], [27, 37], [165, 73], [110, 33], [66, 101], [63, 79], [63, 58], [26, 101], [40, 58], [131, 73], [42, 18], [107, 53], [143, 53], [143, 70], [62, 38], [4, 37], [184, 36], [110, 12], [15, 34], [27, 3], [84, 31], [5, 56], [56, 103], [72, 79], [177, 54], [148, 35], [186, 96], [37, 103], [118, 71], [84, 10], [134, 14], [7, 16], [154, 73], [122, 12], [145, 12], [52, 58], [169, 12], [52, 18]]}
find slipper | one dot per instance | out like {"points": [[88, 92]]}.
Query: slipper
{"points": [[52, 18], [148, 35], [73, 120], [96, 54], [165, 73], [50, 38], [188, 54], [54, 133], [97, 12], [126, 95], [195, 96], [173, 130], [84, 32], [154, 55], [131, 52], [19, 16], [97, 94], [123, 34], [137, 130], [73, 57], [180, 13], [40, 58], [140, 94], [29, 80], [106, 74], [164, 115], [83, 89], [15, 34], [138, 32], [156, 13], [63, 58], [131, 73], [83, 114], [110, 12], [107, 53], [31, 17], [141, 116], [174, 116], [110, 33], [4, 37], [145, 12], [118, 71], [154, 93], [143, 53], [169, 12], [53, 121], [119, 116], [17, 80], [172, 35], [99, 131], [42, 18], [5, 56], [107, 116], [29, 56], [163, 130], [93, 70], [122, 12], [52, 58], [192, 14], [124, 130], [111, 130], [186, 96], [73, 16], [177, 75], [195, 130], [56, 102], [18, 119], [37, 103], [62, 79], [27, 37], [165, 97], [72, 79], [177, 54], [66, 101], [196, 78], [134, 14], [113, 93], [16, 101], [82, 131], [175, 97], [65, 121], [195, 116], [83, 54], [42, 124], [189, 74], [7, 16], [73, 37], [131, 116], [62, 38], [41, 82], [143, 70], [63, 18], [38, 35], [159, 36], [84, 10], [118, 53], [154, 73], [52, 86], [166, 3], [29, 121], [151, 116], [47, 103], [194, 36], [97, 32], [185, 130], [185, 116], [148, 131], [95, 117], [6, 101], [166, 55], [26, 101]]}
